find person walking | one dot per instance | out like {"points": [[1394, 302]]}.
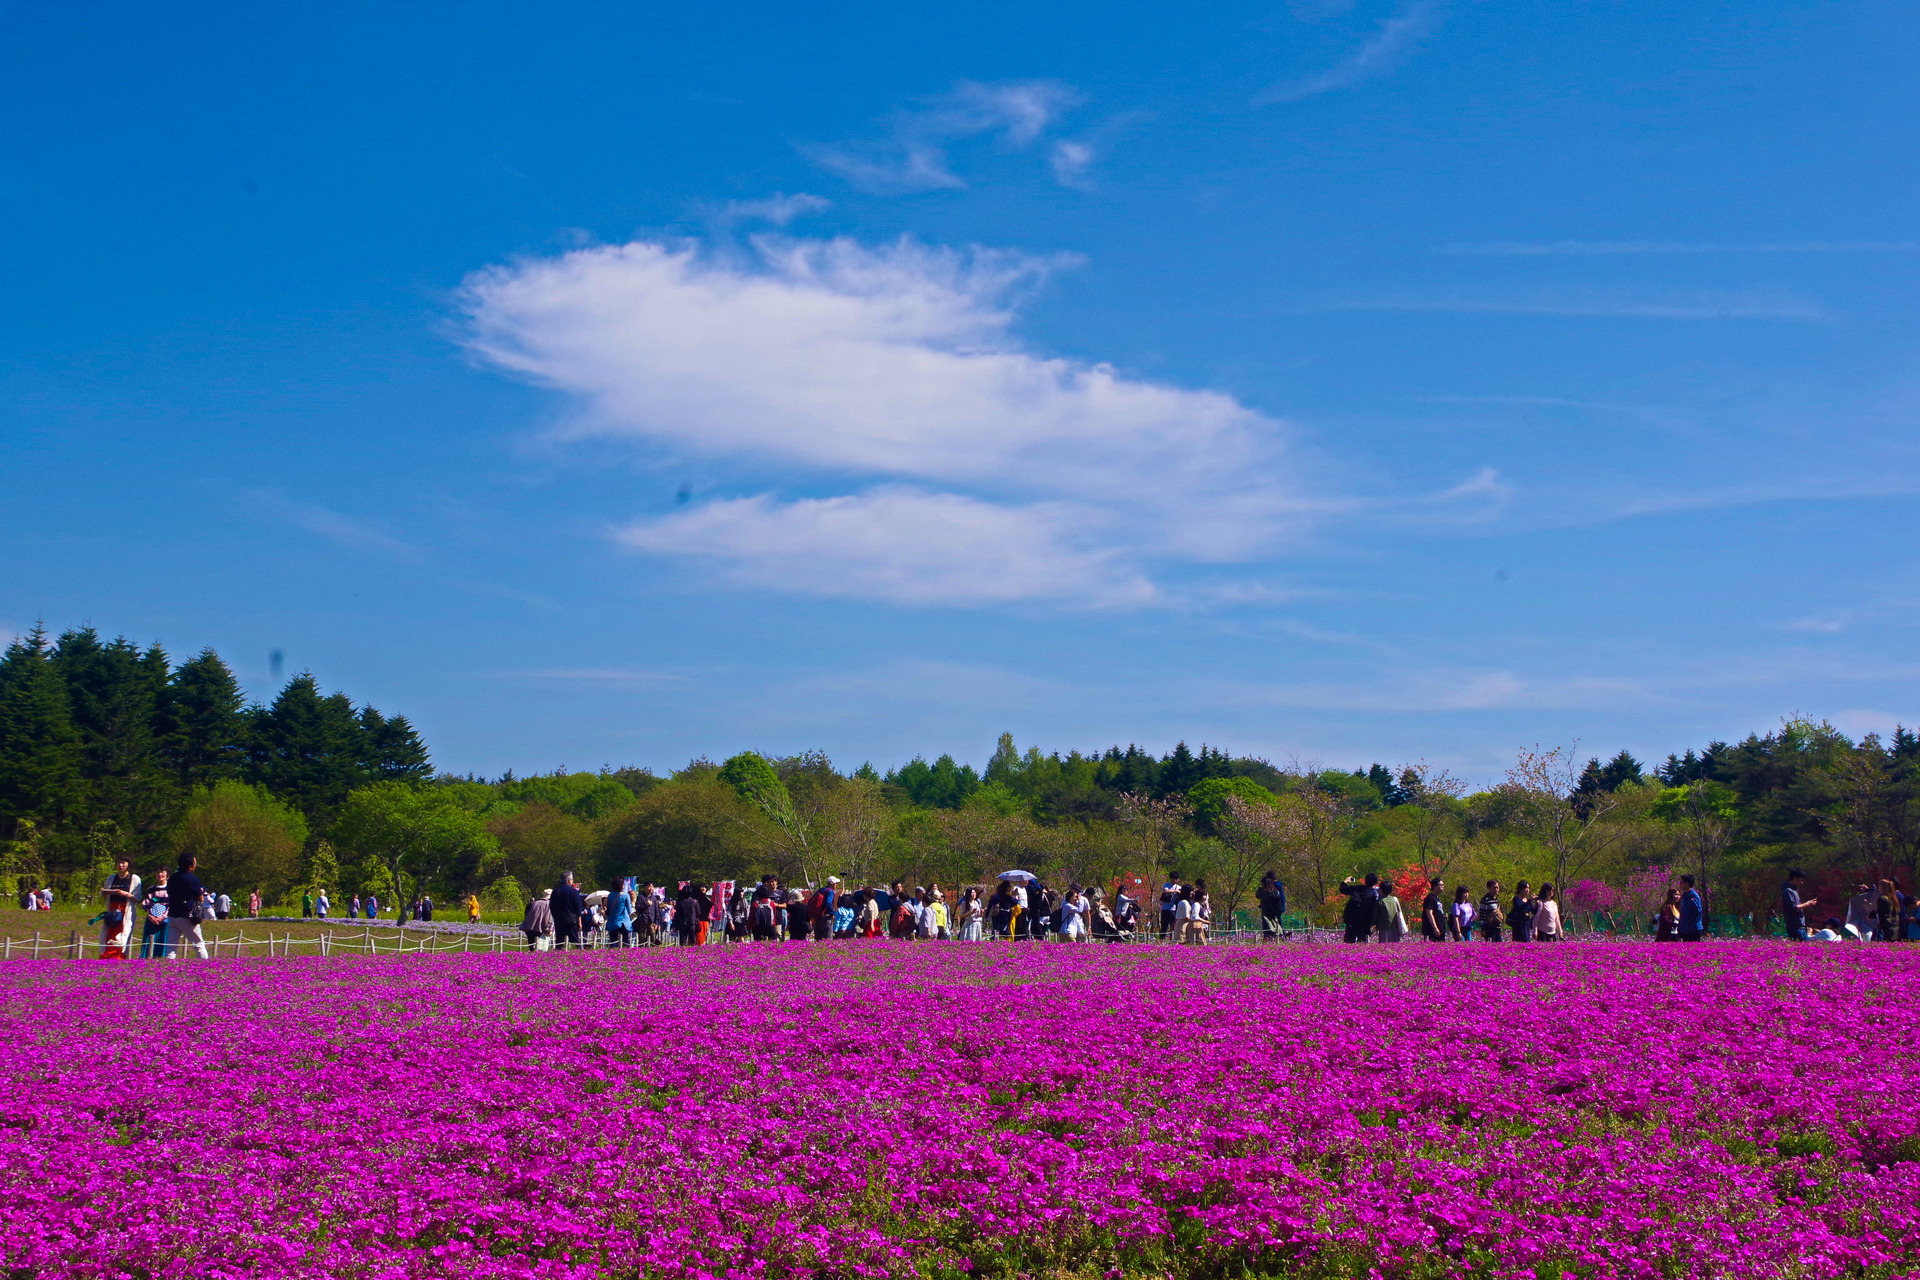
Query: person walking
{"points": [[473, 908], [567, 905], [1362, 897], [1490, 918], [537, 923], [1272, 897], [320, 904], [306, 905], [1546, 915], [1692, 925], [1433, 912], [1461, 916], [1520, 912], [122, 892], [186, 909], [153, 930], [1389, 915]]}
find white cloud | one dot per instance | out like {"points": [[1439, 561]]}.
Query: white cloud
{"points": [[898, 544], [1071, 159], [893, 376], [778, 208], [1379, 54], [913, 156]]}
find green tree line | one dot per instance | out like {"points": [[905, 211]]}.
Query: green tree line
{"points": [[109, 749]]}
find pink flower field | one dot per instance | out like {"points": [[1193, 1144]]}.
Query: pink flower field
{"points": [[1590, 1110]]}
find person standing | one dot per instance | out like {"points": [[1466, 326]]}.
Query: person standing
{"points": [[1362, 897], [821, 907], [1792, 907], [973, 916], [473, 908], [1389, 915], [936, 920], [1520, 912], [186, 909], [1461, 917], [1860, 910], [1170, 895], [320, 904], [1693, 912], [1126, 911], [619, 913], [122, 892], [1546, 916], [1490, 918], [1272, 897], [1666, 926], [373, 907], [1887, 913], [306, 905], [567, 906], [1433, 912], [153, 932], [1074, 909], [537, 923], [253, 905]]}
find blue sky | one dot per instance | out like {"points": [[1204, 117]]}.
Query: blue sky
{"points": [[1340, 381]]}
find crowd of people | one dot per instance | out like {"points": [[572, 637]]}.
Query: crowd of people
{"points": [[1018, 906]]}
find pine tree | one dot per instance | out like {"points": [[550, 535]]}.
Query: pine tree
{"points": [[1179, 771], [393, 751], [114, 692], [39, 750], [203, 724], [308, 749], [1620, 770]]}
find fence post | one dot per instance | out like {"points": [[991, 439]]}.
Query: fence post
{"points": [[36, 944]]}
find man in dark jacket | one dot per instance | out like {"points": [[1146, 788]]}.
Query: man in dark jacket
{"points": [[1362, 897], [1520, 914], [568, 905], [1272, 896], [184, 910], [1693, 911]]}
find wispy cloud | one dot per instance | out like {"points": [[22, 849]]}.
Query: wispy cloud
{"points": [[1380, 53], [1746, 305], [1600, 248], [778, 209], [341, 530], [947, 464], [913, 154]]}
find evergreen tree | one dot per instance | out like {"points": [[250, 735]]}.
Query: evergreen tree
{"points": [[393, 751], [308, 749], [203, 722], [1620, 770], [1382, 779], [1005, 763], [114, 692], [39, 750], [1178, 771]]}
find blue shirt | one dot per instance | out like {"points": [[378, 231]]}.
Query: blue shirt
{"points": [[1692, 911]]}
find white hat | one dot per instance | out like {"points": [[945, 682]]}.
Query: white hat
{"points": [[833, 879]]}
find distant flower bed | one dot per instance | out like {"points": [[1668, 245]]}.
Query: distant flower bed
{"points": [[877, 1110]]}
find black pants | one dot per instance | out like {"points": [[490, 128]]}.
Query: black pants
{"points": [[1358, 932], [566, 931], [618, 935], [1166, 924]]}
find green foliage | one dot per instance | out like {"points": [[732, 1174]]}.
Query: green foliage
{"points": [[1208, 798], [587, 796], [244, 837], [422, 836]]}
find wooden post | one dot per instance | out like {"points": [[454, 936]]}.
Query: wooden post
{"points": [[36, 944], [73, 944]]}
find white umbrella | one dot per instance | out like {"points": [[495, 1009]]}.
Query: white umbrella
{"points": [[597, 897], [1016, 875]]}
